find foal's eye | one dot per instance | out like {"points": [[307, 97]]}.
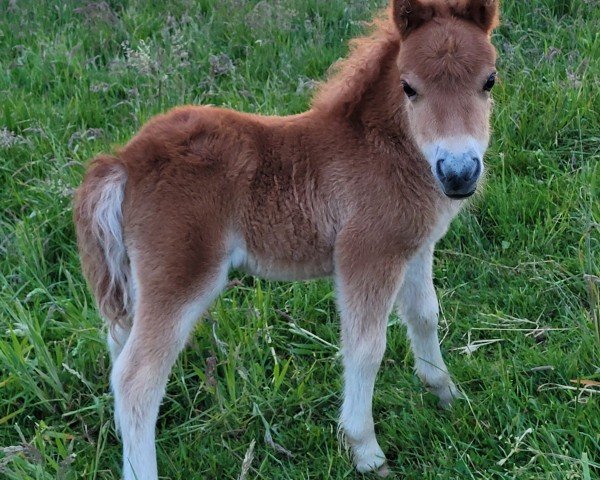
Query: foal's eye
{"points": [[490, 82], [410, 92]]}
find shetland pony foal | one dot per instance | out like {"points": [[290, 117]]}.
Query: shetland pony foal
{"points": [[359, 187]]}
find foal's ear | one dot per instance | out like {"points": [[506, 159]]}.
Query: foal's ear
{"points": [[484, 13], [410, 14]]}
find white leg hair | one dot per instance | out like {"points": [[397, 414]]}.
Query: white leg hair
{"points": [[140, 374], [418, 307], [362, 358], [116, 338], [365, 302]]}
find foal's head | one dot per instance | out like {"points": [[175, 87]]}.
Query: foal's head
{"points": [[446, 63]]}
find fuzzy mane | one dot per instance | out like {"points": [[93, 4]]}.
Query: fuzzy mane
{"points": [[350, 78]]}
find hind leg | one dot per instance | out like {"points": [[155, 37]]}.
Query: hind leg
{"points": [[116, 340], [140, 373], [419, 309]]}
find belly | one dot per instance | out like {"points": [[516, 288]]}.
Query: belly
{"points": [[277, 261], [285, 239], [282, 267]]}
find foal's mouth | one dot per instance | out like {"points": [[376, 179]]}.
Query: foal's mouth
{"points": [[460, 196]]}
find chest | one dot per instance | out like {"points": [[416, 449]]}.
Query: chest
{"points": [[444, 216]]}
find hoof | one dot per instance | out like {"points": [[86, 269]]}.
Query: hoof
{"points": [[447, 394], [383, 471], [370, 458]]}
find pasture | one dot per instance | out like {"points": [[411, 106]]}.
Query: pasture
{"points": [[256, 394]]}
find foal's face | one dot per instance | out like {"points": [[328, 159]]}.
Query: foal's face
{"points": [[447, 71]]}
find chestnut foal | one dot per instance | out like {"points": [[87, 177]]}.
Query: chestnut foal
{"points": [[359, 187]]}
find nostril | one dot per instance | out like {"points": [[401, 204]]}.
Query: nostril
{"points": [[471, 172], [477, 171], [438, 168]]}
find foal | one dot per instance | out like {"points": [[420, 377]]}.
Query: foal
{"points": [[359, 187]]}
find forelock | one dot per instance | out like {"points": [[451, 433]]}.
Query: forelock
{"points": [[447, 50]]}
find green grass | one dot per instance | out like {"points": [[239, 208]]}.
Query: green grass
{"points": [[524, 259]]}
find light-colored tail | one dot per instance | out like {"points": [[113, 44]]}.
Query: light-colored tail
{"points": [[99, 224]]}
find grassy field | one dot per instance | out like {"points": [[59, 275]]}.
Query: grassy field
{"points": [[517, 275]]}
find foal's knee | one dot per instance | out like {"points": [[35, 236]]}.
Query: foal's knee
{"points": [[422, 316]]}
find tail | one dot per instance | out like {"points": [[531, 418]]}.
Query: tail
{"points": [[99, 224]]}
